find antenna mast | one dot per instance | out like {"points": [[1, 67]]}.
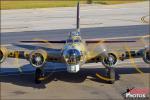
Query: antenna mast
{"points": [[78, 17]]}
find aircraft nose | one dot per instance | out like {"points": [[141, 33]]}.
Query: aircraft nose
{"points": [[72, 56]]}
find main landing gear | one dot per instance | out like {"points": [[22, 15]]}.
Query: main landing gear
{"points": [[111, 75], [39, 75], [109, 63]]}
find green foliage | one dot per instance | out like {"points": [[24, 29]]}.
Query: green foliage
{"points": [[27, 4]]}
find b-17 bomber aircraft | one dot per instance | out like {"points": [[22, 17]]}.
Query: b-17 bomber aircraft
{"points": [[76, 52]]}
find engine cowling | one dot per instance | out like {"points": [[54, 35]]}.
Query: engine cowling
{"points": [[3, 54], [110, 60], [146, 55], [38, 58]]}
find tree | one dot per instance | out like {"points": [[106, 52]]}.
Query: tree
{"points": [[89, 1]]}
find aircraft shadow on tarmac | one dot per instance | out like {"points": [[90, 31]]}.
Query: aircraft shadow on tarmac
{"points": [[27, 80]]}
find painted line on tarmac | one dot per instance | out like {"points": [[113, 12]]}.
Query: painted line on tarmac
{"points": [[6, 45]]}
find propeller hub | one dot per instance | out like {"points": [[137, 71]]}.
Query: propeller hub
{"points": [[109, 60], [38, 59]]}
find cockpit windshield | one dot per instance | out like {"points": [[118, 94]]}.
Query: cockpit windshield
{"points": [[77, 40], [73, 38], [69, 41]]}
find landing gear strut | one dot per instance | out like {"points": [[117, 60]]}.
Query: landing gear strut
{"points": [[111, 74], [38, 75], [109, 63]]}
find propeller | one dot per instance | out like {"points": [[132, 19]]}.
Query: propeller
{"points": [[108, 59], [98, 49], [3, 54]]}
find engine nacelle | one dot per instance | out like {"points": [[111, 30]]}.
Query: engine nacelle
{"points": [[110, 60], [146, 55], [3, 54], [38, 58]]}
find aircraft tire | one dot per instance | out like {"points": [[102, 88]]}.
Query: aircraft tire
{"points": [[38, 74]]}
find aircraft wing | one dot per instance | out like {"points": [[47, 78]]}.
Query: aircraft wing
{"points": [[117, 43], [116, 40], [120, 47], [53, 55], [43, 41]]}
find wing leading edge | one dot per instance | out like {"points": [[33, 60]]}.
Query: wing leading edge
{"points": [[87, 41]]}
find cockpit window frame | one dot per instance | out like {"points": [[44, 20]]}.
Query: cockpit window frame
{"points": [[72, 40], [69, 41]]}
